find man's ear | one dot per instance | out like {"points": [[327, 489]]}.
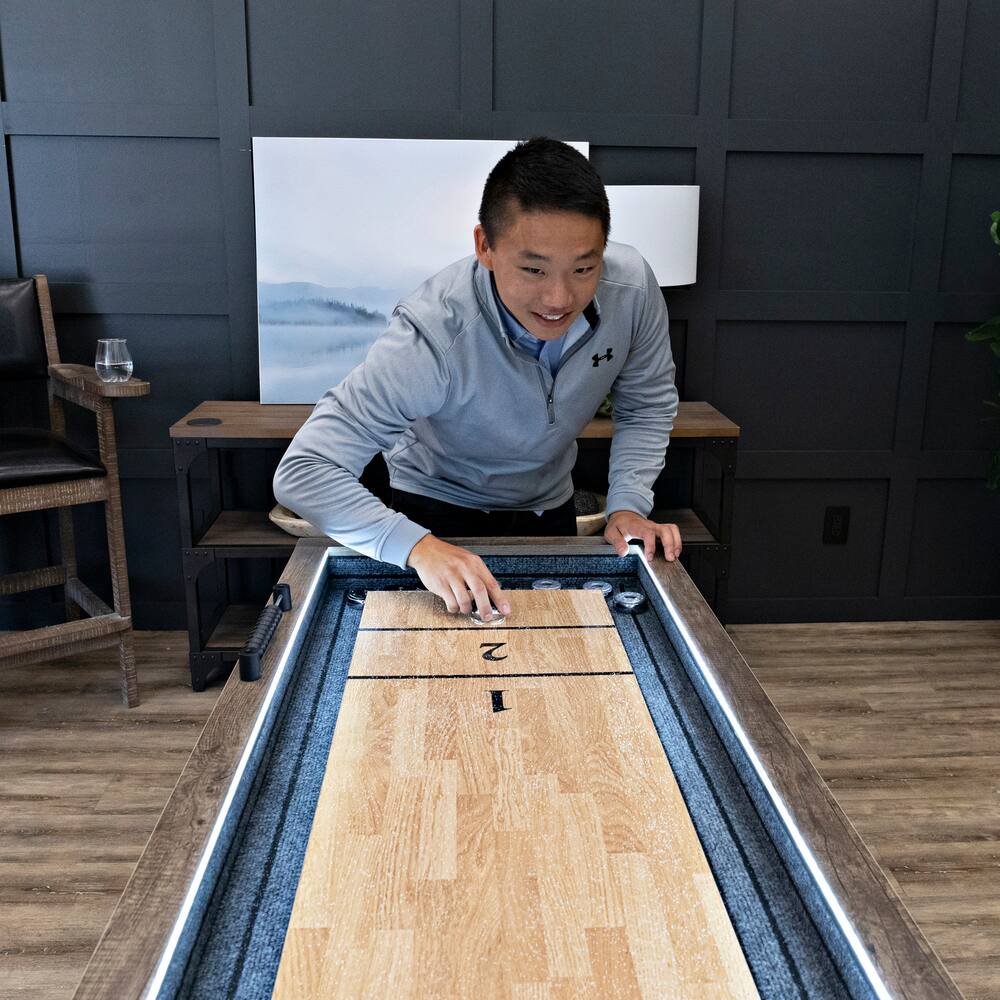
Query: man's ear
{"points": [[483, 252]]}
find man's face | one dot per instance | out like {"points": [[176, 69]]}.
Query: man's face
{"points": [[546, 266]]}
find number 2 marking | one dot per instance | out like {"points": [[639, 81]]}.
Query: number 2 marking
{"points": [[491, 648]]}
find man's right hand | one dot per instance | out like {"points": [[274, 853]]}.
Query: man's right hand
{"points": [[451, 572]]}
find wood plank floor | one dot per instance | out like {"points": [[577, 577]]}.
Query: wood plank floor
{"points": [[901, 720], [82, 782]]}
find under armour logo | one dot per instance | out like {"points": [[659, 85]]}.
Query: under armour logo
{"points": [[598, 358]]}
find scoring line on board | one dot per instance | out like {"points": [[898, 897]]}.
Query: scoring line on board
{"points": [[477, 628], [430, 677]]}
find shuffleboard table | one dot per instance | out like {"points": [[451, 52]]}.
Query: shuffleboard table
{"points": [[590, 799]]}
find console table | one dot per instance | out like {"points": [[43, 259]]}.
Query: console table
{"points": [[215, 533]]}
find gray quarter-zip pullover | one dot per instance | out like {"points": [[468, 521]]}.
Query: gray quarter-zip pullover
{"points": [[461, 415]]}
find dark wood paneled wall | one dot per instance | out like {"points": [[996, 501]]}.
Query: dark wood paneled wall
{"points": [[848, 154]]}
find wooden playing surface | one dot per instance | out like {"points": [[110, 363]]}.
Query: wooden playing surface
{"points": [[498, 820]]}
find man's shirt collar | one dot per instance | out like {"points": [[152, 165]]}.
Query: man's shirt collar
{"points": [[552, 349]]}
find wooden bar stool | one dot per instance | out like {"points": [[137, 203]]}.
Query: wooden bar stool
{"points": [[41, 470]]}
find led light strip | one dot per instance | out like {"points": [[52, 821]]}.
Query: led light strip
{"points": [[786, 817], [153, 987]]}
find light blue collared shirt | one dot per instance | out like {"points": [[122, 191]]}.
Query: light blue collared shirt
{"points": [[548, 352]]}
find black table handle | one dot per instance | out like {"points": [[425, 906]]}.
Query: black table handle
{"points": [[260, 638]]}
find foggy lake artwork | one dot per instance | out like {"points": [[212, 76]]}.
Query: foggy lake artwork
{"points": [[345, 228], [312, 336]]}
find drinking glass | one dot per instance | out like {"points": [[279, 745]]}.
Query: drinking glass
{"points": [[113, 361]]}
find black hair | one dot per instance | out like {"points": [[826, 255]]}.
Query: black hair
{"points": [[541, 175]]}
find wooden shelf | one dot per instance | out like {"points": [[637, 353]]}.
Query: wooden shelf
{"points": [[245, 527], [692, 528], [234, 626]]}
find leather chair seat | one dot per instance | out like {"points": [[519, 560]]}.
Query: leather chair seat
{"points": [[32, 457]]}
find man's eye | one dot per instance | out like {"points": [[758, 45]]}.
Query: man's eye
{"points": [[584, 270], [532, 270]]}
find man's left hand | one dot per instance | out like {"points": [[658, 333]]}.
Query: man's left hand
{"points": [[626, 524]]}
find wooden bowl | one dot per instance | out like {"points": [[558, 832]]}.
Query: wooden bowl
{"points": [[289, 521], [592, 524]]}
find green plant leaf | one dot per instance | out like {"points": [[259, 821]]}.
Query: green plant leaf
{"points": [[993, 473], [989, 330]]}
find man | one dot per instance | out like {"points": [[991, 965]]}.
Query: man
{"points": [[483, 380]]}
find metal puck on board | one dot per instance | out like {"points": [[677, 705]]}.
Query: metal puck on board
{"points": [[356, 595], [546, 584], [602, 585], [497, 619], [630, 601]]}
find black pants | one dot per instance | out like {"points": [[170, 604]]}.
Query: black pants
{"points": [[448, 520]]}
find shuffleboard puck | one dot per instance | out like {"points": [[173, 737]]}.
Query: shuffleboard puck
{"points": [[630, 601], [356, 596], [497, 619], [602, 585], [546, 584]]}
